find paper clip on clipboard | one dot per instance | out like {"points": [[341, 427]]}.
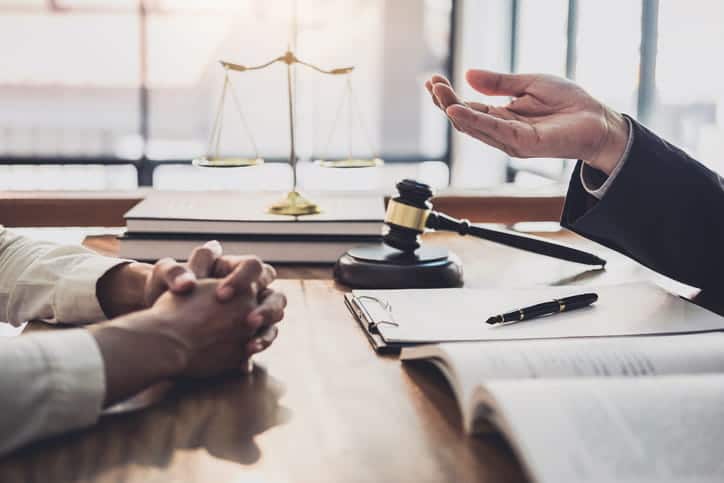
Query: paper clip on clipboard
{"points": [[368, 323]]}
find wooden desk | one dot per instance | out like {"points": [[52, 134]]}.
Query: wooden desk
{"points": [[326, 409]]}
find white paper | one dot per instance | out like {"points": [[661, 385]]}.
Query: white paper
{"points": [[441, 315], [470, 365], [651, 429]]}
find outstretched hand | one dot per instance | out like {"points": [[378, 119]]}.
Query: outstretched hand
{"points": [[547, 117]]}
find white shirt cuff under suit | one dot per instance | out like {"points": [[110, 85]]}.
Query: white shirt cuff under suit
{"points": [[596, 182]]}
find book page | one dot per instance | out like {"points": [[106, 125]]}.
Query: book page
{"points": [[610, 356], [236, 206], [652, 429], [473, 363]]}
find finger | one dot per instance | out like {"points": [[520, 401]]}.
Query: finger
{"points": [[498, 133], [481, 136], [499, 84], [446, 95], [168, 274], [202, 258], [226, 266], [478, 106], [502, 112], [428, 86], [264, 340], [494, 127], [268, 275], [440, 79], [269, 311], [245, 273], [529, 105]]}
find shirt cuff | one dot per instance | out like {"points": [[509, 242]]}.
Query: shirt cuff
{"points": [[77, 372], [75, 296], [77, 367], [594, 181]]}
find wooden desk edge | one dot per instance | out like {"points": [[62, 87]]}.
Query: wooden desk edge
{"points": [[106, 208]]}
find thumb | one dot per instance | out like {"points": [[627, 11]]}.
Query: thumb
{"points": [[498, 84]]}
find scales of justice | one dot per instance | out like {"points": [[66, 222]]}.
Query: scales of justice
{"points": [[293, 203]]}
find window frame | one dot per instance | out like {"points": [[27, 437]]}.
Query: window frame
{"points": [[646, 88], [146, 166]]}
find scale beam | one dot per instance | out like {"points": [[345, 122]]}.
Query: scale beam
{"points": [[288, 58]]}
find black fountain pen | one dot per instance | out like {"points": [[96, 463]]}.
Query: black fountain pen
{"points": [[546, 308]]}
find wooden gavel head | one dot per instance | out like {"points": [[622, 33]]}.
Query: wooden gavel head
{"points": [[407, 215]]}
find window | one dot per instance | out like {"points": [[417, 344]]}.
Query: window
{"points": [[689, 97], [654, 59], [607, 62], [133, 90], [70, 92], [540, 46], [136, 84]]}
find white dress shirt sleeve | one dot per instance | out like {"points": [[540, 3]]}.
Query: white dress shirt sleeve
{"points": [[596, 182], [41, 280], [50, 382]]}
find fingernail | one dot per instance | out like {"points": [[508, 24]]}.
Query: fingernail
{"points": [[225, 292]]}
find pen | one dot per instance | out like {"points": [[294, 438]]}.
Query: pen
{"points": [[546, 308]]}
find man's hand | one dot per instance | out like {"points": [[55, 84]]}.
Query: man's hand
{"points": [[192, 334], [136, 286], [547, 117]]}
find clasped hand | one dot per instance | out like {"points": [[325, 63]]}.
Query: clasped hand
{"points": [[195, 319], [136, 286]]}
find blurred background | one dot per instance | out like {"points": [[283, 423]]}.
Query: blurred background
{"points": [[117, 94]]}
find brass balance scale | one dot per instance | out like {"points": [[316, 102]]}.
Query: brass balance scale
{"points": [[293, 203]]}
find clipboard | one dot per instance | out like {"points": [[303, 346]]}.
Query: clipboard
{"points": [[367, 323], [393, 319]]}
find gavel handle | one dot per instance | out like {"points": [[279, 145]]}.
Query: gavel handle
{"points": [[440, 221]]}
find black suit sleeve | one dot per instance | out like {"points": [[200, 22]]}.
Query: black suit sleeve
{"points": [[664, 209]]}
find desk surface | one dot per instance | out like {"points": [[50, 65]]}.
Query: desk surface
{"points": [[325, 409]]}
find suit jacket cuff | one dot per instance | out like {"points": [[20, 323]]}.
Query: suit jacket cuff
{"points": [[668, 221], [584, 209]]}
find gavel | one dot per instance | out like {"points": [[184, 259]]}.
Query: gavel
{"points": [[410, 214]]}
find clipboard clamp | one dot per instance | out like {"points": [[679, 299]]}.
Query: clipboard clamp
{"points": [[372, 325]]}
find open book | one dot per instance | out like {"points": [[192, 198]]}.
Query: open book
{"points": [[611, 409]]}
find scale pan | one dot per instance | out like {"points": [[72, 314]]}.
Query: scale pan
{"points": [[350, 163], [227, 162]]}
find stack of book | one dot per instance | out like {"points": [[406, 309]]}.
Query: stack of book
{"points": [[171, 224]]}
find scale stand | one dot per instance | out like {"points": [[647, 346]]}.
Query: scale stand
{"points": [[293, 203]]}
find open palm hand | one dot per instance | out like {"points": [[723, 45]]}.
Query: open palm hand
{"points": [[547, 117]]}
